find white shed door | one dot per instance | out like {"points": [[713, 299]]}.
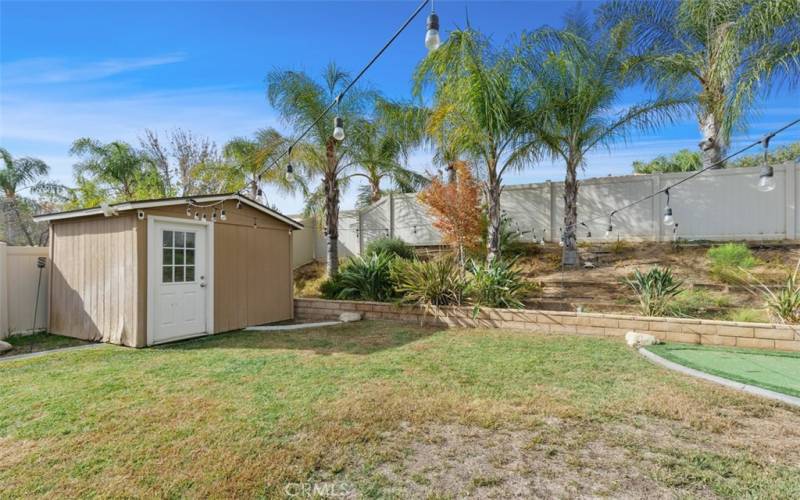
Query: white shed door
{"points": [[180, 281]]}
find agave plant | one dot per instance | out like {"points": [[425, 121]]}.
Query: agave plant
{"points": [[655, 289], [429, 283], [784, 304], [364, 279], [495, 284]]}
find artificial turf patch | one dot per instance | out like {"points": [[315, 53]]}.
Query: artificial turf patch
{"points": [[777, 371]]}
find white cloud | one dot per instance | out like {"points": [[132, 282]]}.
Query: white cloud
{"points": [[39, 71]]}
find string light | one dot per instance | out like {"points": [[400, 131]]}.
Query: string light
{"points": [[668, 220], [222, 215], [188, 209], [588, 231], [196, 215], [610, 228], [214, 215], [338, 122], [432, 40], [289, 168], [204, 218], [766, 178]]}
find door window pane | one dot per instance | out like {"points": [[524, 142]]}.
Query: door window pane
{"points": [[189, 256], [189, 273], [178, 274], [189, 240], [179, 239], [178, 257], [167, 239], [167, 257], [166, 274]]}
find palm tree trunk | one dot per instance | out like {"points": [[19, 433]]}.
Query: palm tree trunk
{"points": [[375, 190], [493, 190], [331, 209], [569, 255], [711, 146]]}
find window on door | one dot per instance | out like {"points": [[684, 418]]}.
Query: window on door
{"points": [[178, 249]]}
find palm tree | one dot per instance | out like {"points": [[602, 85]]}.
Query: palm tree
{"points": [[577, 76], [250, 164], [129, 173], [23, 173], [726, 52], [380, 152], [480, 110], [300, 100]]}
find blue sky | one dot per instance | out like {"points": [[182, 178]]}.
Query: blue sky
{"points": [[111, 69]]}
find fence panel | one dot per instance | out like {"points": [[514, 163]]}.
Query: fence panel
{"points": [[19, 278], [717, 205]]}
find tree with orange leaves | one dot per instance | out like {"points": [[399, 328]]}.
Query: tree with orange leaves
{"points": [[456, 209]]}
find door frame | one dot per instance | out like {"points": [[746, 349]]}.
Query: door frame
{"points": [[152, 276]]}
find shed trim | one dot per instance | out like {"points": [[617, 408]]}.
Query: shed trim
{"points": [[134, 205]]}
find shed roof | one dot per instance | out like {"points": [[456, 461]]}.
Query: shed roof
{"points": [[161, 202]]}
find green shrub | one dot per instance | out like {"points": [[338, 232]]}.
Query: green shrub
{"points": [[696, 304], [495, 284], [394, 247], [429, 283], [747, 315], [654, 290], [728, 261], [363, 278]]}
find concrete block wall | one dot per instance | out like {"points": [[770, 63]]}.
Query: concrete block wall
{"points": [[692, 331]]}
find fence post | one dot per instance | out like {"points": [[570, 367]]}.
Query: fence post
{"points": [[3, 290], [790, 194], [391, 215], [553, 222], [658, 229]]}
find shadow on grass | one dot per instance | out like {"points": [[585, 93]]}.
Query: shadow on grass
{"points": [[353, 338]]}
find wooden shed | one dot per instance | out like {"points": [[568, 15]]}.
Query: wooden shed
{"points": [[153, 271]]}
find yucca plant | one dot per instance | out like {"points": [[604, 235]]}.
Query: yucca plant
{"points": [[495, 284], [655, 289], [429, 283], [784, 304], [365, 278]]}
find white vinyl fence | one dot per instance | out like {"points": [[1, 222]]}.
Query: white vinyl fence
{"points": [[717, 205], [19, 279]]}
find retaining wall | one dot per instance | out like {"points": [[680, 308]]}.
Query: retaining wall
{"points": [[693, 331]]}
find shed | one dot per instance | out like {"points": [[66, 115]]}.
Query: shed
{"points": [[146, 272]]}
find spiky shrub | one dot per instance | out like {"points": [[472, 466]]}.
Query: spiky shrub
{"points": [[730, 261], [655, 290], [429, 283], [495, 284], [784, 304], [365, 278], [394, 247]]}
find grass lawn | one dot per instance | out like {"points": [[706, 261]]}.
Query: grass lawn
{"points": [[378, 409], [777, 371], [24, 344]]}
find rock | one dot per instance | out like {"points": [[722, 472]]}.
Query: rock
{"points": [[588, 265], [636, 339], [5, 346], [347, 317]]}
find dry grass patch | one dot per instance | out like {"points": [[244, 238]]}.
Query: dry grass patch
{"points": [[390, 410]]}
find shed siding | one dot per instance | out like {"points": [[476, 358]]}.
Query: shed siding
{"points": [[252, 270], [93, 279]]}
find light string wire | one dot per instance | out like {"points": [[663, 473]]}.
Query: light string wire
{"points": [[689, 177], [347, 87]]}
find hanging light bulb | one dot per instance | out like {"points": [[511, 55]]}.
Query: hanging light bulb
{"points": [[222, 215], [610, 228], [196, 215], [214, 215], [204, 218], [560, 237], [668, 220], [338, 129], [238, 203], [432, 40], [188, 210], [766, 178], [289, 168]]}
